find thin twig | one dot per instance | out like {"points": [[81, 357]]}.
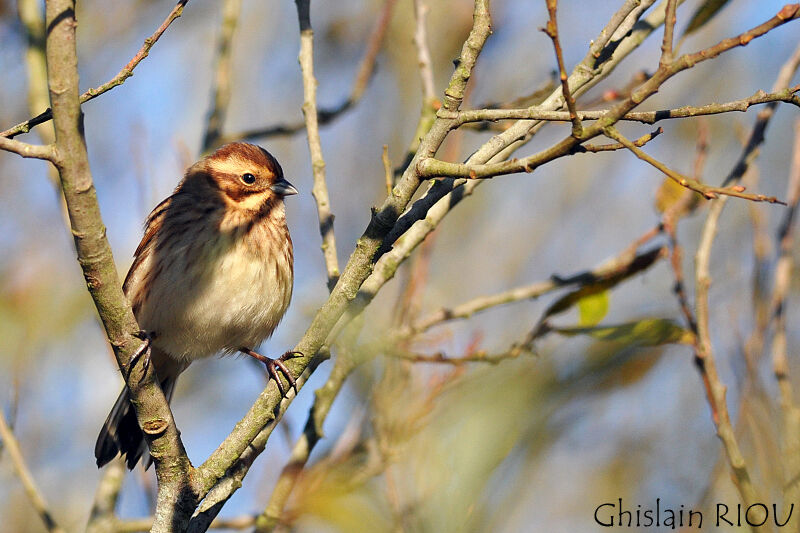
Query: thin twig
{"points": [[320, 188], [552, 31], [34, 151], [645, 117], [480, 356], [707, 191], [641, 141], [704, 357], [222, 74], [119, 79], [11, 446], [102, 518], [669, 32], [388, 174], [423, 52]]}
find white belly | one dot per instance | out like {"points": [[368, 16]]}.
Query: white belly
{"points": [[235, 303]]}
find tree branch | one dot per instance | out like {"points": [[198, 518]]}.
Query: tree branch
{"points": [[788, 95], [119, 79], [11, 446], [94, 254], [320, 188], [691, 183], [552, 31]]}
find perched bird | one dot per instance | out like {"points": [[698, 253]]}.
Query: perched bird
{"points": [[212, 274]]}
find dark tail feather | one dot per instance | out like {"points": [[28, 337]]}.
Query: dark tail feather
{"points": [[121, 433]]}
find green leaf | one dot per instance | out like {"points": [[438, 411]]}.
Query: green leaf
{"points": [[645, 332], [704, 13], [593, 308]]}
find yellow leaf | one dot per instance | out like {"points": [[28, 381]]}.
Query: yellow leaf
{"points": [[593, 308]]}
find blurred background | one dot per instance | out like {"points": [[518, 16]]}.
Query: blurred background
{"points": [[534, 443]]}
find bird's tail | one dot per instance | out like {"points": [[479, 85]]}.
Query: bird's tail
{"points": [[121, 433]]}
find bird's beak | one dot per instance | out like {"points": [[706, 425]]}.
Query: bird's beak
{"points": [[283, 188]]}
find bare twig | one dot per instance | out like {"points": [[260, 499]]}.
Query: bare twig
{"points": [[119, 79], [34, 151], [222, 74], [423, 53], [326, 116], [552, 31], [691, 183], [480, 356], [11, 447], [669, 33], [102, 518], [388, 174], [788, 95], [320, 188], [704, 357], [641, 141]]}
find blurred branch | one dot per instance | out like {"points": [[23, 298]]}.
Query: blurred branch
{"points": [[388, 175], [423, 52], [119, 79], [327, 115], [320, 188], [11, 446], [780, 363], [102, 517], [625, 263], [231, 10], [690, 183], [552, 31], [480, 356], [788, 95], [704, 357]]}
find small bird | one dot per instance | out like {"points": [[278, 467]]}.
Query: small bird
{"points": [[213, 273]]}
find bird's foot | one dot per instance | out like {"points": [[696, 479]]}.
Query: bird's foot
{"points": [[143, 350], [276, 365]]}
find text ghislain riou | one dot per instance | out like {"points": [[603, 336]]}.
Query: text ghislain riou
{"points": [[616, 514]]}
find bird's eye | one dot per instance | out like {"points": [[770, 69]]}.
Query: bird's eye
{"points": [[248, 178]]}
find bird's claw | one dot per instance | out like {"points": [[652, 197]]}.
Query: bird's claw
{"points": [[142, 350], [276, 366]]}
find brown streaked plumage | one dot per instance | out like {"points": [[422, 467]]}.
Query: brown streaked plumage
{"points": [[213, 273]]}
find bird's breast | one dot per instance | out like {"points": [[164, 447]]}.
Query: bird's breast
{"points": [[229, 292]]}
